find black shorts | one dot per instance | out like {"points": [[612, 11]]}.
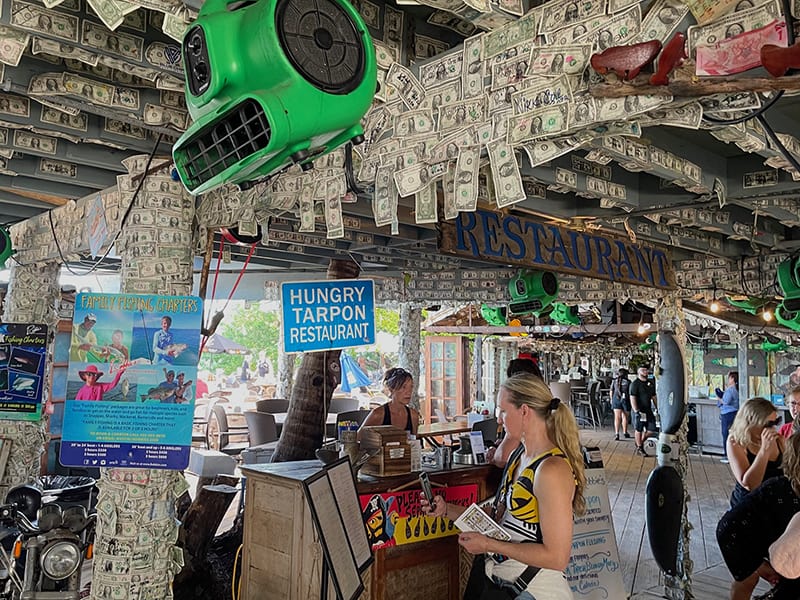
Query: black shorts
{"points": [[621, 404], [640, 425]]}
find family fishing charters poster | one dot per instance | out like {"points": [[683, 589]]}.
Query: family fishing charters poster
{"points": [[22, 357], [131, 381]]}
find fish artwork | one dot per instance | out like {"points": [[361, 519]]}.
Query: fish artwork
{"points": [[22, 384], [158, 393], [175, 349], [125, 387]]}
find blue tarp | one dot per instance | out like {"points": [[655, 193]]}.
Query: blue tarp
{"points": [[352, 375]]}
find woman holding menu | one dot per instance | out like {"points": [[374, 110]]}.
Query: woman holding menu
{"points": [[538, 497]]}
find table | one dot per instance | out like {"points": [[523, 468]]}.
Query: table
{"points": [[434, 430], [330, 423]]}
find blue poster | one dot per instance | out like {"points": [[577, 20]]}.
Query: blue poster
{"points": [[327, 315], [23, 348], [131, 381]]}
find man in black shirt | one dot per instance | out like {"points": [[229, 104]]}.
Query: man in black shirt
{"points": [[643, 399]]}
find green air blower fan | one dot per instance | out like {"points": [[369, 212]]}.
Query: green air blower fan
{"points": [[746, 303], [270, 83], [788, 318], [789, 280], [565, 314], [532, 292], [773, 344], [493, 315], [6, 250]]}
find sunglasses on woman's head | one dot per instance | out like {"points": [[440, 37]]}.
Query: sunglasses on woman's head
{"points": [[774, 423]]}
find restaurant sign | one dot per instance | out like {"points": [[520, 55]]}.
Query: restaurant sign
{"points": [[512, 240]]}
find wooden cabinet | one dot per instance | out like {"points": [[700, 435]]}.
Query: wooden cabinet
{"points": [[446, 376], [282, 556]]}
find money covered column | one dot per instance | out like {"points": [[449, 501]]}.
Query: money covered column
{"points": [[136, 507], [33, 294]]}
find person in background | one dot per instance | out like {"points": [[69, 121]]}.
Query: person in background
{"points": [[502, 449], [728, 406], [183, 392], [399, 384], [643, 402], [620, 402], [539, 497], [91, 390], [746, 532], [83, 339], [169, 383], [793, 402], [162, 340]]}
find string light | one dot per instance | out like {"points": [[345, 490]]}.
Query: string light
{"points": [[714, 307], [766, 314]]}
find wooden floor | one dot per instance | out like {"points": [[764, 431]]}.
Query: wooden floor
{"points": [[709, 482]]}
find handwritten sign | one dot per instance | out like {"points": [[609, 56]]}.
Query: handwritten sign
{"points": [[396, 518], [594, 571], [131, 378], [326, 315], [509, 239]]}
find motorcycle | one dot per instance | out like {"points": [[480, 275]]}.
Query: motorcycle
{"points": [[43, 543]]}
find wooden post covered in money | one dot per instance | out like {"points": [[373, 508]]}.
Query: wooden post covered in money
{"points": [[33, 294], [147, 521], [410, 321]]}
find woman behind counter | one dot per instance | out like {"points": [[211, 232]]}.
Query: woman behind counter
{"points": [[400, 386], [542, 489]]}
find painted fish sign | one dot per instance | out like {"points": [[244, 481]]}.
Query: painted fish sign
{"points": [[513, 240]]}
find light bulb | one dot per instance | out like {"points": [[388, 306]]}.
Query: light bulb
{"points": [[767, 315], [714, 306], [641, 329]]}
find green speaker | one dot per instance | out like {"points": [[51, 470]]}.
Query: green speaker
{"points": [[6, 250], [532, 292], [565, 314], [789, 281], [787, 318], [270, 83], [493, 315], [747, 303]]}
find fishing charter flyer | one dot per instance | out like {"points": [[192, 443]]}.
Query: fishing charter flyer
{"points": [[23, 348], [131, 381]]}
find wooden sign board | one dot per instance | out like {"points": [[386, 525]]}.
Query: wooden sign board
{"points": [[512, 240]]}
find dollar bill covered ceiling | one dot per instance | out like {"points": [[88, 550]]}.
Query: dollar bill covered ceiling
{"points": [[480, 105]]}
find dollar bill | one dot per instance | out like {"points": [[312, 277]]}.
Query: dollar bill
{"points": [[462, 114], [616, 31], [58, 167], [385, 55], [548, 121], [174, 26], [126, 98], [447, 20], [466, 180], [41, 20], [705, 11], [333, 213], [117, 44], [53, 116], [473, 67], [741, 52], [506, 177], [407, 85], [67, 51], [12, 44], [428, 47], [615, 6], [47, 84], [548, 92], [441, 70], [688, 116], [499, 128], [569, 13], [445, 94], [553, 61], [11, 104], [42, 144], [500, 100], [384, 197], [510, 35], [598, 156], [596, 186], [448, 148], [426, 208], [566, 178], [307, 207], [661, 20], [165, 81], [413, 123], [411, 180], [449, 191], [544, 151], [583, 111], [508, 73], [733, 25], [111, 12], [93, 91], [614, 109], [492, 20], [725, 103]]}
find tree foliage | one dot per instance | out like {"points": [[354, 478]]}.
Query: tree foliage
{"points": [[252, 327]]}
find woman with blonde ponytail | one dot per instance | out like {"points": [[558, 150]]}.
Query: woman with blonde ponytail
{"points": [[538, 498]]}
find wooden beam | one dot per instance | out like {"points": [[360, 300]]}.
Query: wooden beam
{"points": [[593, 329], [46, 198], [694, 87]]}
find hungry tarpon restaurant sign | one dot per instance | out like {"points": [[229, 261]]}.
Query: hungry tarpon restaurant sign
{"points": [[508, 239], [327, 315]]}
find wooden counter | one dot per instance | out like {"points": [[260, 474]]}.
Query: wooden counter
{"points": [[282, 557]]}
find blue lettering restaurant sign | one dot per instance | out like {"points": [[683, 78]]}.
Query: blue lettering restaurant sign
{"points": [[513, 240], [327, 315]]}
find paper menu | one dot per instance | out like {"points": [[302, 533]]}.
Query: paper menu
{"points": [[475, 519]]}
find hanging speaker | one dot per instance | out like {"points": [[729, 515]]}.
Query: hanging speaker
{"points": [[6, 249], [270, 83]]}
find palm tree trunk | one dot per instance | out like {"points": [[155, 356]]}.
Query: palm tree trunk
{"points": [[318, 375]]}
